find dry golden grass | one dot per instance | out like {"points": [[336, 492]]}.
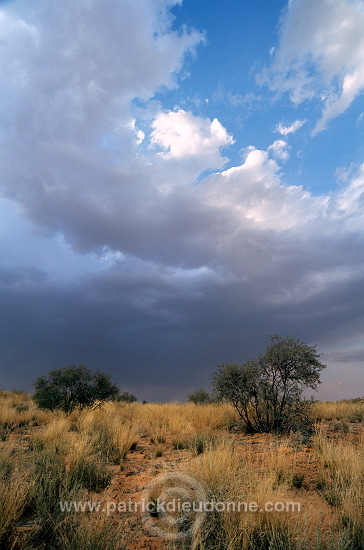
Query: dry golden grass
{"points": [[108, 431], [349, 410], [342, 481], [66, 458], [165, 421], [46, 457], [97, 533], [55, 433], [16, 486], [221, 469], [237, 480], [18, 410]]}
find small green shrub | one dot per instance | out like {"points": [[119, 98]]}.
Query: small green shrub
{"points": [[21, 408], [126, 397], [6, 467], [357, 416], [280, 478], [198, 445], [178, 445], [90, 474], [340, 427], [297, 480], [199, 397], [354, 532], [4, 435]]}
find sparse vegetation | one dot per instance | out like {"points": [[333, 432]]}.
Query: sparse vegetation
{"points": [[348, 410], [87, 455]]}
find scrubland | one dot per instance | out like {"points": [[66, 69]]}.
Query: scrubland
{"points": [[111, 453]]}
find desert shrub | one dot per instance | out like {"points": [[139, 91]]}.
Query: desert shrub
{"points": [[72, 387], [198, 445], [52, 485], [56, 481], [127, 397], [267, 392], [21, 408], [199, 397], [180, 444], [203, 441], [297, 480], [90, 474], [356, 416], [340, 426]]}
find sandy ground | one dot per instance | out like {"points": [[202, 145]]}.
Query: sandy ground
{"points": [[142, 465]]}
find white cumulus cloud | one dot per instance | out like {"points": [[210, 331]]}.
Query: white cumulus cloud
{"points": [[182, 135], [291, 129], [279, 149], [320, 54]]}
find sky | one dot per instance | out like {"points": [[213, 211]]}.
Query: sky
{"points": [[178, 180]]}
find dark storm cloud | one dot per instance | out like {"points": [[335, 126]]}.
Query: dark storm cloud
{"points": [[153, 334]]}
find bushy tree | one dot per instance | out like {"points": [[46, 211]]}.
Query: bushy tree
{"points": [[71, 387], [198, 397], [268, 391], [127, 397]]}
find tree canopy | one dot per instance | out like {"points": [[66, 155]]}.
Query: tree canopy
{"points": [[268, 391], [127, 397], [71, 387], [199, 397]]}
